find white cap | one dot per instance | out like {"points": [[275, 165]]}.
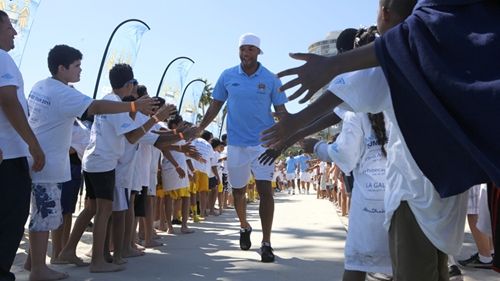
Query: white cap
{"points": [[250, 39]]}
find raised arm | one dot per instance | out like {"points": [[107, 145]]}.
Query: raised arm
{"points": [[212, 111]]}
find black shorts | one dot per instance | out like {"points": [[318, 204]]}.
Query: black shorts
{"points": [[100, 185], [212, 183], [70, 189], [140, 202]]}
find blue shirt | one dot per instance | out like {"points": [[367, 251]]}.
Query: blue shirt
{"points": [[303, 162], [249, 100], [291, 163]]}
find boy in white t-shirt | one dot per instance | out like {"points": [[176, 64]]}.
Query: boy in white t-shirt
{"points": [[108, 136], [17, 141], [53, 107]]}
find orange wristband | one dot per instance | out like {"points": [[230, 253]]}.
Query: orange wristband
{"points": [[132, 107]]}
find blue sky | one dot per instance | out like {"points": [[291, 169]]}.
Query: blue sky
{"points": [[205, 30]]}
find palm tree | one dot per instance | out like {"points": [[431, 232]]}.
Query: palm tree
{"points": [[206, 96]]}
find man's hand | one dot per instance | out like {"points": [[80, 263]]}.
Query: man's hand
{"points": [[269, 156], [38, 157], [312, 76], [308, 145], [146, 105]]}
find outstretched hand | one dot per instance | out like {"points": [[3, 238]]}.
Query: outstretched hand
{"points": [[146, 105], [269, 156], [276, 136], [312, 76]]}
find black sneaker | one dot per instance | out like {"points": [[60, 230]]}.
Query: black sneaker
{"points": [[266, 253], [371, 276], [245, 242], [176, 221], [475, 262], [455, 273]]}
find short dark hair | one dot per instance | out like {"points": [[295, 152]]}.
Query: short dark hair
{"points": [[207, 135], [120, 74], [345, 41], [365, 36], [142, 90], [62, 55], [175, 120], [215, 142]]}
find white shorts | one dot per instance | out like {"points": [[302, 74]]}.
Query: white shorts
{"points": [[473, 202], [305, 177], [46, 210], [242, 161], [290, 176], [121, 199]]}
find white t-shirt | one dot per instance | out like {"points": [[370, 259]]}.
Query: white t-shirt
{"points": [[206, 151], [107, 140], [214, 162], [441, 219], [145, 145], [126, 166], [80, 138], [11, 144], [170, 177], [53, 108]]}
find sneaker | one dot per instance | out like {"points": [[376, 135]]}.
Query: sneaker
{"points": [[176, 221], [455, 273], [371, 276], [475, 262], [245, 242], [266, 253]]}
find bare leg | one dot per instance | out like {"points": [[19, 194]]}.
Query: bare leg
{"points": [[168, 212], [203, 203], [128, 250], [266, 208], [240, 204], [185, 213], [118, 223], [149, 232], [98, 263], [38, 250], [68, 253], [482, 241]]}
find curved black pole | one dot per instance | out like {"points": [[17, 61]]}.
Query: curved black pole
{"points": [[107, 49], [184, 92], [165, 72]]}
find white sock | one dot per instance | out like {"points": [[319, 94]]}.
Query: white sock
{"points": [[484, 259]]}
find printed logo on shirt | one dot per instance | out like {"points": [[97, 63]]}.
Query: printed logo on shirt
{"points": [[7, 76], [339, 81], [125, 125]]}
